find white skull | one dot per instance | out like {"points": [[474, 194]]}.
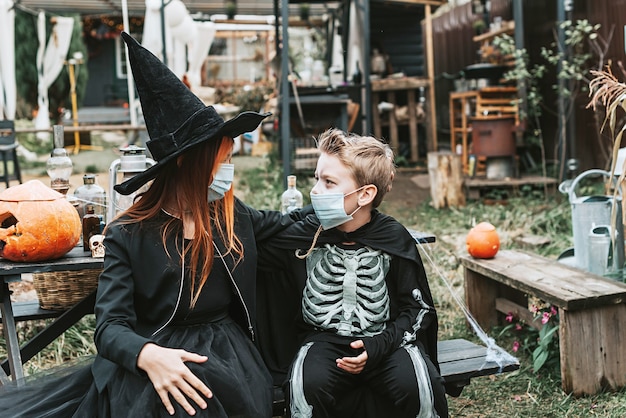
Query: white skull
{"points": [[96, 245]]}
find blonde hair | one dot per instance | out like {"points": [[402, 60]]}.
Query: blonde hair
{"points": [[369, 160]]}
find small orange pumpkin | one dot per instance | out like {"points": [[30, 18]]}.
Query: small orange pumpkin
{"points": [[482, 241], [36, 223]]}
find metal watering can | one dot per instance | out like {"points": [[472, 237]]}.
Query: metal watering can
{"points": [[589, 213], [605, 258]]}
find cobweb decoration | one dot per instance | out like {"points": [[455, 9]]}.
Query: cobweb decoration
{"points": [[495, 353]]}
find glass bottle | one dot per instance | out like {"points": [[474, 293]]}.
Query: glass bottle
{"points": [[379, 64], [59, 165], [357, 76], [291, 198], [91, 192], [91, 225]]}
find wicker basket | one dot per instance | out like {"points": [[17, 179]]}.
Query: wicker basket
{"points": [[60, 290]]}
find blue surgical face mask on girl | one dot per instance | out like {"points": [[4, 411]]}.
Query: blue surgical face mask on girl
{"points": [[222, 182], [330, 210]]}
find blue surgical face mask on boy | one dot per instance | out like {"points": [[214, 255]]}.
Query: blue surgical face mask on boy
{"points": [[330, 210], [222, 181]]}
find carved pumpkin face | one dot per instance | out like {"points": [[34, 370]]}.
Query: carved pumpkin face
{"points": [[482, 241], [36, 223]]}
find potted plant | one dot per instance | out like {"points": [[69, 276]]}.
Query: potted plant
{"points": [[479, 26], [305, 9], [231, 10]]}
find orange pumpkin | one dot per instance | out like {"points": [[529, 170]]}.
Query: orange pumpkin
{"points": [[36, 223], [482, 241]]}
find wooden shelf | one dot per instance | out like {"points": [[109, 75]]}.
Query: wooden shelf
{"points": [[507, 28], [487, 102]]}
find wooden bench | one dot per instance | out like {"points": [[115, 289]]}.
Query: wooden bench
{"points": [[592, 310], [30, 311], [459, 361]]}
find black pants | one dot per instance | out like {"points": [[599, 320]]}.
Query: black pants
{"points": [[317, 387]]}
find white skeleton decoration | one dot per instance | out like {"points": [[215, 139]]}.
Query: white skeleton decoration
{"points": [[346, 290], [96, 246]]}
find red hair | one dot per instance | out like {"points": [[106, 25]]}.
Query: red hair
{"points": [[182, 179]]}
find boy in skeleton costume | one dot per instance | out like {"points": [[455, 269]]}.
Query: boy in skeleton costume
{"points": [[366, 322]]}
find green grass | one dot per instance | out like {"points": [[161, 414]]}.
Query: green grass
{"points": [[517, 394]]}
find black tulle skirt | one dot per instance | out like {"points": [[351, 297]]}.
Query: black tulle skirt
{"points": [[234, 371]]}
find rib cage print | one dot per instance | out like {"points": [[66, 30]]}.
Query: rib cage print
{"points": [[346, 291]]}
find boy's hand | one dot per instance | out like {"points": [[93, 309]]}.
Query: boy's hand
{"points": [[354, 365]]}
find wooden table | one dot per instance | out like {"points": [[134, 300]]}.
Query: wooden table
{"points": [[387, 89], [10, 271]]}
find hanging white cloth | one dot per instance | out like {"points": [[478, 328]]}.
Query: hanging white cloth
{"points": [[8, 87], [336, 59], [50, 61], [200, 46], [355, 36]]}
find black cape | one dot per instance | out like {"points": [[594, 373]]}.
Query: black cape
{"points": [[279, 296]]}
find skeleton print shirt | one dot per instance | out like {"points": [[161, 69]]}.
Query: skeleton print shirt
{"points": [[345, 290]]}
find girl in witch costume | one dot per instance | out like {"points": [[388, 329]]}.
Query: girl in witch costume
{"points": [[366, 320], [175, 305]]}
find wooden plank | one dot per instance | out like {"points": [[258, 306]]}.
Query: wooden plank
{"points": [[480, 298], [592, 355], [87, 128], [430, 67], [30, 310], [566, 287], [394, 139], [376, 122], [509, 307], [76, 259], [410, 94], [404, 83], [508, 182], [460, 360]]}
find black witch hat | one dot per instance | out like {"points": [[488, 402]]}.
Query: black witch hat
{"points": [[176, 119]]}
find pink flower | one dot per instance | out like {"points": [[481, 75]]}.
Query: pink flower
{"points": [[509, 317], [515, 346], [518, 327], [545, 318], [534, 309], [553, 311]]}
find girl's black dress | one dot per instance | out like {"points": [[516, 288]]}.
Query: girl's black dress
{"points": [[234, 371]]}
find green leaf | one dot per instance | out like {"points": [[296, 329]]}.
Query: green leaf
{"points": [[539, 358]]}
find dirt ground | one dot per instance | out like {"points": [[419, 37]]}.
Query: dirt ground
{"points": [[410, 188]]}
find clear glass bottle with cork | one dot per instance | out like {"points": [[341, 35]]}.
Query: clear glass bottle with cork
{"points": [[91, 192], [292, 197]]}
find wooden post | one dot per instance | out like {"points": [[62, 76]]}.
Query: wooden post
{"points": [[445, 172], [430, 65]]}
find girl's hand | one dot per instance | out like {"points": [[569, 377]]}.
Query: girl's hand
{"points": [[169, 375]]}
